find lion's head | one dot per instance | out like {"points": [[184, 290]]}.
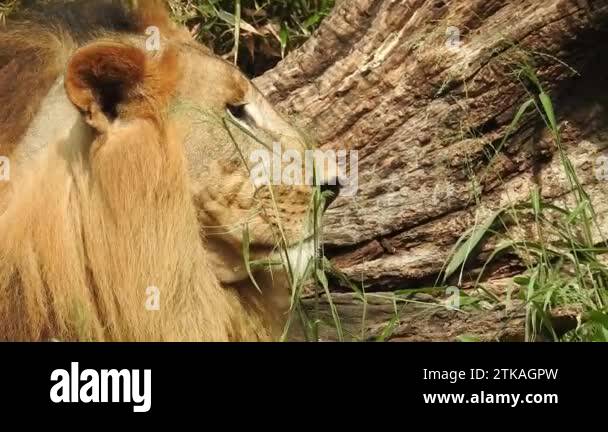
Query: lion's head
{"points": [[226, 124], [137, 170]]}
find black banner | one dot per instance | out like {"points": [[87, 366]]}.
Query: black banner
{"points": [[153, 380]]}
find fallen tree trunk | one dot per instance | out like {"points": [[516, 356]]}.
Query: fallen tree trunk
{"points": [[380, 319], [423, 89], [423, 318]]}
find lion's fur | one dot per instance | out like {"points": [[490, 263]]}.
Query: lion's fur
{"points": [[87, 228], [83, 233], [30, 62]]}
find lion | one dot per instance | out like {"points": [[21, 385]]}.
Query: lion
{"points": [[130, 191]]}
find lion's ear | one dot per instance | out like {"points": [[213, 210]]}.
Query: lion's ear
{"points": [[102, 76], [108, 80]]}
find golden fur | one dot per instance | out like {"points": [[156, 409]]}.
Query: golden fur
{"points": [[134, 193]]}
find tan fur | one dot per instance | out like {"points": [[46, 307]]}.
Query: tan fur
{"points": [[59, 244]]}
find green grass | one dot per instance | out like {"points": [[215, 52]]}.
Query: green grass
{"points": [[254, 34], [6, 8], [565, 269]]}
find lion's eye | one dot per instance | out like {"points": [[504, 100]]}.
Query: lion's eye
{"points": [[237, 111]]}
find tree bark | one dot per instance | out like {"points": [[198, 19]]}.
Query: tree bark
{"points": [[422, 89], [421, 320]]}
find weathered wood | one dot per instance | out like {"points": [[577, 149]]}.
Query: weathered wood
{"points": [[421, 320], [385, 78], [425, 317]]}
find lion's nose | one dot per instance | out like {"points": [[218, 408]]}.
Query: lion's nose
{"points": [[330, 190]]}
